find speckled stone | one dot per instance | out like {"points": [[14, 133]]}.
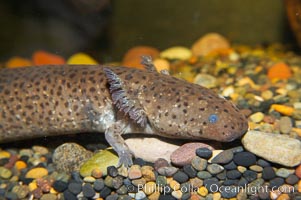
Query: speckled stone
{"points": [[160, 163], [285, 125], [283, 172], [69, 157], [48, 197], [167, 171], [292, 179], [21, 191], [223, 158], [204, 175], [135, 172], [214, 168], [198, 163]]}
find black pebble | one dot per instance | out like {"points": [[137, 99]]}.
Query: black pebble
{"points": [[166, 197], [263, 163], [190, 171], [112, 171], [112, 197], [245, 159], [105, 192], [168, 190], [75, 187], [250, 175], [268, 173], [230, 182], [223, 157], [139, 161], [181, 177], [60, 186], [233, 174], [231, 165], [242, 182], [292, 179], [212, 184], [98, 185], [186, 196], [222, 175], [68, 195], [2, 192], [275, 183], [88, 190], [24, 158], [229, 192], [204, 153]]}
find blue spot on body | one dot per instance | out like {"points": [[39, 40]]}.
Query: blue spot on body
{"points": [[213, 118]]}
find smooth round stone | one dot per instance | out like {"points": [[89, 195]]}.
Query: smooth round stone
{"points": [[149, 188], [137, 182], [98, 185], [109, 181], [223, 158], [263, 163], [122, 190], [268, 173], [118, 181], [60, 186], [75, 188], [245, 159], [105, 192], [222, 175], [230, 192], [161, 162], [205, 80], [196, 182], [190, 171], [167, 171], [112, 171], [148, 173], [40, 150], [88, 190], [37, 172], [203, 191], [89, 179], [112, 197], [250, 175], [21, 191], [257, 117], [198, 163], [161, 180], [5, 173], [285, 125], [204, 175], [176, 52], [230, 166], [283, 172], [264, 193], [230, 182], [215, 168], [135, 172], [212, 184], [292, 179], [204, 153], [181, 177], [177, 194], [186, 196], [140, 195], [68, 195], [242, 182], [233, 174], [48, 197], [256, 168], [276, 182]]}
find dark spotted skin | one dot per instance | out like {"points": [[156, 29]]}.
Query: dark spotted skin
{"points": [[56, 100]]}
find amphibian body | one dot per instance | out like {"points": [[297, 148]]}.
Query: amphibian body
{"points": [[55, 100]]}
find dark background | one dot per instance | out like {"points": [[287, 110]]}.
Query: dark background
{"points": [[106, 29]]}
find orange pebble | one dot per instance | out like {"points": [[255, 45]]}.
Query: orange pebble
{"points": [[285, 110], [298, 171], [132, 58], [45, 58], [279, 71], [20, 165], [194, 197], [18, 62]]}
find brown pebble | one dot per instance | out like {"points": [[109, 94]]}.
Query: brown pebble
{"points": [[44, 184], [96, 173], [161, 162], [185, 153], [11, 162], [298, 171], [135, 172], [37, 193]]}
